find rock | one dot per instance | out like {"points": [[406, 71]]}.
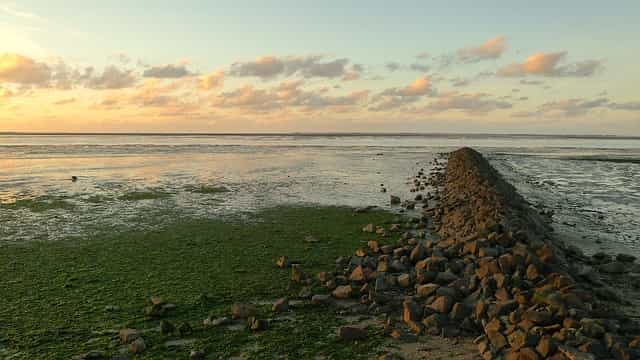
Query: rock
{"points": [[242, 311], [256, 324], [542, 317], [369, 228], [351, 333], [321, 300], [411, 312], [297, 275], [358, 274], [592, 329], [128, 335], [404, 280], [442, 304], [166, 327], [614, 267], [445, 277], [546, 346], [137, 346], [394, 200], [418, 253], [197, 355], [532, 272], [283, 262], [497, 340], [216, 322], [311, 239], [342, 292], [281, 305], [373, 246], [520, 339], [426, 290]]}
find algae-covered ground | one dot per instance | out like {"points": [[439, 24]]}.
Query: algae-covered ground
{"points": [[60, 299]]}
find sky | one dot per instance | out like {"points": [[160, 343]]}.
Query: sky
{"points": [[549, 67]]}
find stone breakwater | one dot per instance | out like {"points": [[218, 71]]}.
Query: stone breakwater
{"points": [[488, 268], [519, 288]]}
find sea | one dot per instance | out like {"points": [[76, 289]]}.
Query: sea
{"points": [[63, 186]]}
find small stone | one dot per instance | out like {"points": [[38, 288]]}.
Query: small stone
{"points": [[216, 322], [369, 228], [358, 274], [404, 280], [373, 246], [394, 200], [256, 324], [442, 304], [297, 275], [351, 333], [137, 346], [411, 312], [242, 311], [342, 292], [197, 355], [283, 262], [426, 290], [321, 300], [128, 335], [592, 329], [497, 340], [280, 306]]}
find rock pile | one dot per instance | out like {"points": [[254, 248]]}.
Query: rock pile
{"points": [[493, 271]]}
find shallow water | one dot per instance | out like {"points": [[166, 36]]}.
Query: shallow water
{"points": [[142, 182]]}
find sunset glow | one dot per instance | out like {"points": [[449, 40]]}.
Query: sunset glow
{"points": [[292, 67]]}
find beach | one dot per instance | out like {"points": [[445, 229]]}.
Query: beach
{"points": [[200, 222]]}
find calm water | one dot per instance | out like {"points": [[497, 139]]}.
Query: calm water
{"points": [[593, 184]]}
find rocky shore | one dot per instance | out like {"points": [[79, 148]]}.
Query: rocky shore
{"points": [[492, 270]]}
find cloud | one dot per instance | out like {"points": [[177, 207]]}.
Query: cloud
{"points": [[472, 104], [269, 67], [578, 107], [112, 77], [489, 50], [169, 71], [212, 81], [458, 82], [392, 98], [23, 70], [531, 82], [65, 101], [393, 66], [287, 95], [548, 64], [419, 67]]}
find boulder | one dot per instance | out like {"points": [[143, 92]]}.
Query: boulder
{"points": [[137, 346], [342, 292]]}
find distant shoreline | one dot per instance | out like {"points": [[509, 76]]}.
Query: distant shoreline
{"points": [[334, 134]]}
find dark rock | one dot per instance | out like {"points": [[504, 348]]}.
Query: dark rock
{"points": [[351, 333]]}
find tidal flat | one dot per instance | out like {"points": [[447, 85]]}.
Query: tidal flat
{"points": [[65, 298]]}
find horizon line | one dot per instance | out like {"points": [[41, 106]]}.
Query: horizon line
{"points": [[345, 134]]}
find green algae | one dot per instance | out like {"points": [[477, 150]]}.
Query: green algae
{"points": [[55, 296]]}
